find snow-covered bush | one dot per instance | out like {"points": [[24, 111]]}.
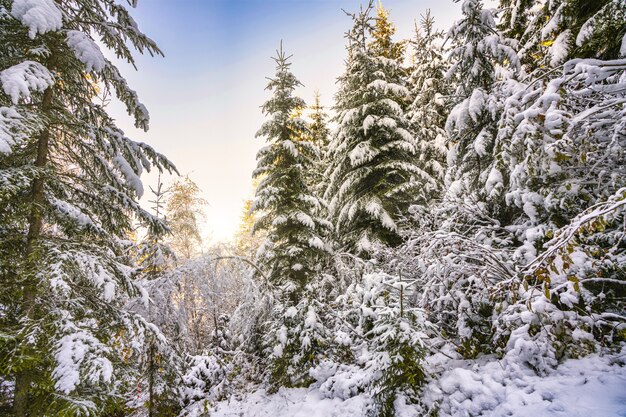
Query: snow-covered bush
{"points": [[568, 302], [205, 382], [379, 345], [454, 273], [297, 337]]}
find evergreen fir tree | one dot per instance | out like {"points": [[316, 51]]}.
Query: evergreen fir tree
{"points": [[295, 245], [372, 174], [480, 59], [69, 189], [159, 363], [320, 137], [320, 134], [427, 112]]}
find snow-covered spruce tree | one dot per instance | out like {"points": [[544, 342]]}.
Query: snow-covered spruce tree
{"points": [[69, 189], [320, 137], [295, 244], [427, 113], [480, 58], [320, 134], [379, 344], [479, 54], [372, 174], [297, 337], [468, 223], [294, 249], [397, 346]]}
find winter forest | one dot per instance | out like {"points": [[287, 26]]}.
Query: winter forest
{"points": [[447, 239]]}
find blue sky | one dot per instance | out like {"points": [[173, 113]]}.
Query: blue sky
{"points": [[204, 97]]}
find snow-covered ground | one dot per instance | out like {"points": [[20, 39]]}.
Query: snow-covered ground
{"points": [[588, 387], [594, 386], [292, 402]]}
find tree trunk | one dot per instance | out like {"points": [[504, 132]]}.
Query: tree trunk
{"points": [[151, 372], [23, 379]]}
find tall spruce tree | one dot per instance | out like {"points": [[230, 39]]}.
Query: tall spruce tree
{"points": [[69, 190], [320, 134], [295, 243], [427, 113], [320, 137], [480, 58], [372, 174], [295, 247]]}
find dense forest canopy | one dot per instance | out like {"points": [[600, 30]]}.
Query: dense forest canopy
{"points": [[446, 240]]}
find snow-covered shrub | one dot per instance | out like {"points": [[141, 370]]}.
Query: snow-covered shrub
{"points": [[398, 342], [568, 303], [379, 345], [205, 382], [454, 273], [565, 148], [297, 338]]}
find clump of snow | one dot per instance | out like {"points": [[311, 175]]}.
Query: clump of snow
{"points": [[291, 312], [388, 88], [86, 50], [109, 291], [71, 354], [40, 16], [364, 244], [289, 145], [310, 321], [362, 153], [586, 31], [21, 79], [368, 122], [480, 144], [132, 179], [591, 386], [316, 242], [72, 212], [476, 104], [10, 121], [305, 220], [278, 351], [553, 23], [560, 48], [494, 182]]}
